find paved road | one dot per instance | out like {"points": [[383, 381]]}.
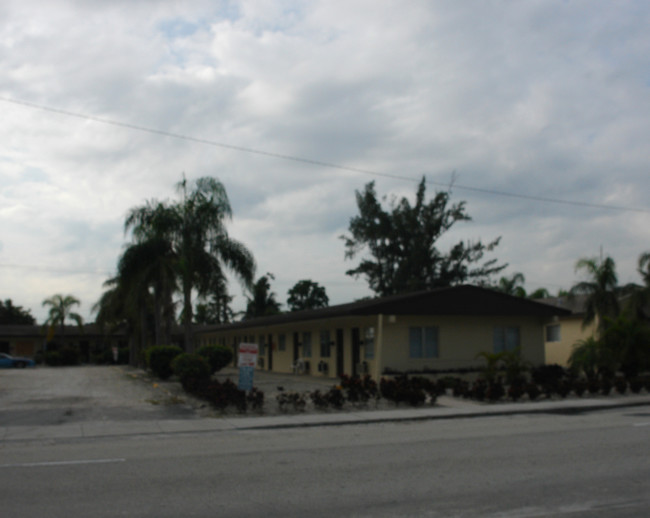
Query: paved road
{"points": [[587, 465]]}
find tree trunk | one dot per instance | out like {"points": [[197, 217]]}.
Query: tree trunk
{"points": [[187, 316]]}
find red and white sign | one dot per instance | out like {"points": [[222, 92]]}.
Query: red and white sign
{"points": [[247, 355]]}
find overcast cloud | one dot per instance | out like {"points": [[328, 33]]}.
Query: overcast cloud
{"points": [[538, 98]]}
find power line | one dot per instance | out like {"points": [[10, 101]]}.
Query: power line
{"points": [[319, 163], [45, 269]]}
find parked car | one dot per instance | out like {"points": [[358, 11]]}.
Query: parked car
{"points": [[8, 361]]}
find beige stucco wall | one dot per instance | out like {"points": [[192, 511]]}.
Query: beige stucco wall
{"points": [[460, 339], [571, 331], [283, 360]]}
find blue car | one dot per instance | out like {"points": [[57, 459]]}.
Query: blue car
{"points": [[8, 361]]}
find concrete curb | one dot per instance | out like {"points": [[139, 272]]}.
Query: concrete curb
{"points": [[92, 429]]}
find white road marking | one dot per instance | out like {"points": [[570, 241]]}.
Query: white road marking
{"points": [[60, 463], [642, 424]]}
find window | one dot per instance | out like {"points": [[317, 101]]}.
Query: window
{"points": [[423, 342], [505, 339], [261, 344], [325, 344], [282, 342], [306, 344], [553, 333], [369, 344]]}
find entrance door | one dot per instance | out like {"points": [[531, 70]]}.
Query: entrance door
{"points": [[296, 347], [356, 347], [339, 353], [270, 352]]}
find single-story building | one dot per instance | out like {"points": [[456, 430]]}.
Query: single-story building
{"points": [[25, 340], [564, 331], [439, 330]]}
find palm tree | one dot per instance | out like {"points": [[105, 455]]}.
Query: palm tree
{"points": [[263, 302], [644, 268], [639, 299], [148, 270], [61, 310], [600, 289], [539, 293], [513, 285], [195, 229]]}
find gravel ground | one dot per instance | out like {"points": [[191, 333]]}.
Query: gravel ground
{"points": [[47, 395]]}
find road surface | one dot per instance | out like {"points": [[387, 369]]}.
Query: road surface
{"points": [[587, 465]]}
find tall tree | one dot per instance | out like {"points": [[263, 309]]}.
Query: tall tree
{"points": [[639, 300], [147, 271], [195, 228], [513, 285], [14, 315], [539, 293], [307, 294], [61, 310], [402, 243], [262, 301], [600, 289], [121, 307], [216, 307]]}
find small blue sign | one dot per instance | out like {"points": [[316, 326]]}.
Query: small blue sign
{"points": [[246, 378]]}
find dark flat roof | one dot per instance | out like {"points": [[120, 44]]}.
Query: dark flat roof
{"points": [[461, 300]]}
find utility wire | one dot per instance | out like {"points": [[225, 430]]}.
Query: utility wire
{"points": [[46, 269], [319, 163]]}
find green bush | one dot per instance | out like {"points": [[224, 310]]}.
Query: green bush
{"points": [[217, 356], [53, 358], [65, 356], [191, 370], [160, 357]]}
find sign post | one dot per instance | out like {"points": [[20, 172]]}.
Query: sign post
{"points": [[246, 361]]}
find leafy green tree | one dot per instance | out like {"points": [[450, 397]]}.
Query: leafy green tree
{"points": [[216, 307], [61, 311], [195, 228], [15, 315], [628, 343], [644, 268], [601, 290], [639, 296], [401, 242], [262, 302], [147, 270], [307, 294], [539, 293], [513, 285], [591, 357], [118, 308]]}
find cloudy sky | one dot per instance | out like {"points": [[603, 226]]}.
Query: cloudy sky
{"points": [[535, 100]]}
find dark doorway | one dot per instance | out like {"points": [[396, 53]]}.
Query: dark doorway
{"points": [[270, 352], [356, 347], [296, 347], [339, 353]]}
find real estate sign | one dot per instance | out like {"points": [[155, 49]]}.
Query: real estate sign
{"points": [[246, 361]]}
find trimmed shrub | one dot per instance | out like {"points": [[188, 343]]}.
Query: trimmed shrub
{"points": [[217, 356], [548, 374], [359, 389], [403, 389], [295, 400], [159, 359], [67, 355], [191, 369]]}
